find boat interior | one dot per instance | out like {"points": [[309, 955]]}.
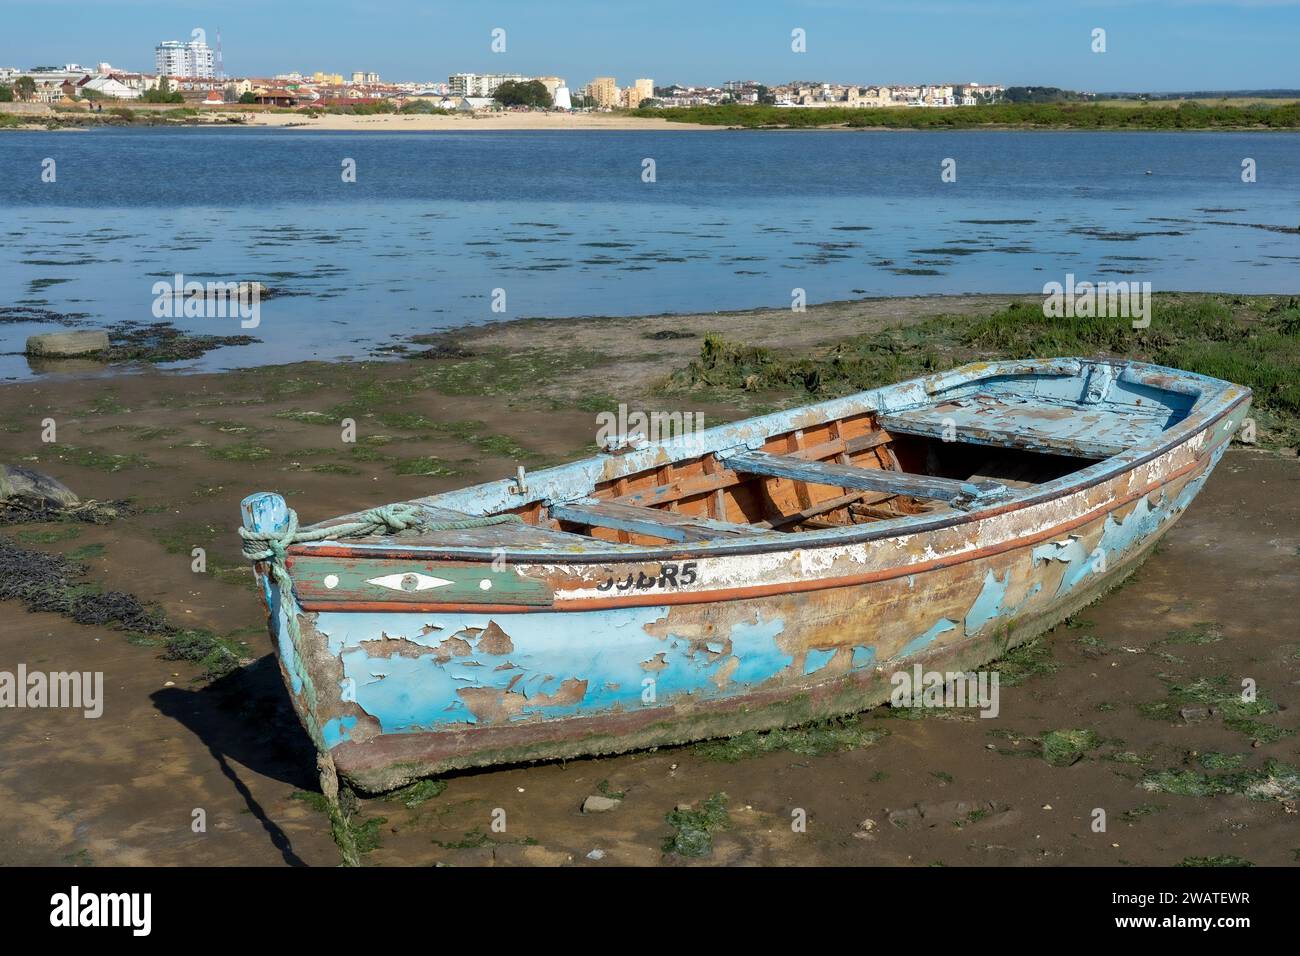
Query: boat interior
{"points": [[845, 472], [979, 441]]}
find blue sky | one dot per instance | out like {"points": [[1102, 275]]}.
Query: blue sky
{"points": [[1151, 44]]}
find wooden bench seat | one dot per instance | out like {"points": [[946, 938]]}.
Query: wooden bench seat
{"points": [[669, 525], [866, 479]]}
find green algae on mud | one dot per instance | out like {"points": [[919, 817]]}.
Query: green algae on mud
{"points": [[1061, 748], [1252, 341], [1275, 780], [809, 740], [55, 583], [1204, 696], [693, 828], [416, 794]]}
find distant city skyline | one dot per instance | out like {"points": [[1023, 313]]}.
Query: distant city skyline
{"points": [[1151, 45]]}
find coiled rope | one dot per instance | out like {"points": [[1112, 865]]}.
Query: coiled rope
{"points": [[272, 548]]}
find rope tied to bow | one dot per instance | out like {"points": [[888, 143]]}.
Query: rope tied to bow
{"points": [[272, 549], [388, 519]]}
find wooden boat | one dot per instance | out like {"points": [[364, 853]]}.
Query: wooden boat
{"points": [[752, 575]]}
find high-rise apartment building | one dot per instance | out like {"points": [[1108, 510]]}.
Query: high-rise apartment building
{"points": [[174, 58], [481, 84], [604, 90]]}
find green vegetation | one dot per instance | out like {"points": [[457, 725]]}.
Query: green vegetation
{"points": [[54, 583], [243, 451], [350, 835], [1031, 659], [694, 829], [160, 342], [605, 790], [476, 838], [215, 656], [163, 93], [1215, 693], [1054, 114], [523, 93], [1140, 811], [98, 460], [50, 535], [423, 108], [1221, 860], [1274, 781], [1213, 760], [415, 794], [812, 740], [1061, 748], [427, 466], [1202, 632], [1249, 341]]}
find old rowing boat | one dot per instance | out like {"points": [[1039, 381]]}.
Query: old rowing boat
{"points": [[752, 575]]}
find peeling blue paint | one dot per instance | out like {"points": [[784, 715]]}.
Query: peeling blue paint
{"points": [[337, 730], [863, 657], [942, 626], [415, 691], [816, 659], [989, 602]]}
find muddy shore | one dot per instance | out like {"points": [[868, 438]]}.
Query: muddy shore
{"points": [[1214, 605]]}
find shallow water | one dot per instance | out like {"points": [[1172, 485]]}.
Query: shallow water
{"points": [[564, 223]]}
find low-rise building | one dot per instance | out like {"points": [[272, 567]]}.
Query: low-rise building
{"points": [[107, 86]]}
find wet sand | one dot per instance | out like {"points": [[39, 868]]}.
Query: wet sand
{"points": [[949, 788]]}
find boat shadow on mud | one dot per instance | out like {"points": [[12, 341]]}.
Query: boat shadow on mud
{"points": [[246, 722]]}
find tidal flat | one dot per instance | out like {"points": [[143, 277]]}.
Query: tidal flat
{"points": [[1123, 706]]}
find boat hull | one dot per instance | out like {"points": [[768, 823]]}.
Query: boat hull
{"points": [[759, 640]]}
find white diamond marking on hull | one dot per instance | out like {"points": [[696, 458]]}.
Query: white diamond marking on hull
{"points": [[412, 581]]}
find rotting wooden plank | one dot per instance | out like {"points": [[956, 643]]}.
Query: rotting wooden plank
{"points": [[821, 508], [794, 444], [680, 488], [620, 488], [867, 479], [664, 475], [837, 435], [717, 500], [669, 525]]}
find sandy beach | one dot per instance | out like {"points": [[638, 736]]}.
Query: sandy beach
{"points": [[470, 122]]}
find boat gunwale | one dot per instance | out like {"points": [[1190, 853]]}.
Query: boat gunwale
{"points": [[749, 592], [1214, 401]]}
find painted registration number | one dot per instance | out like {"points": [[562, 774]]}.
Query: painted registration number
{"points": [[670, 576]]}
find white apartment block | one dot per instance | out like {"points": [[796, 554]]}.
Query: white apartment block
{"points": [[174, 58], [480, 84]]}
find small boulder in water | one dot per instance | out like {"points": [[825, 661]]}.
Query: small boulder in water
{"points": [[19, 482], [76, 342]]}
